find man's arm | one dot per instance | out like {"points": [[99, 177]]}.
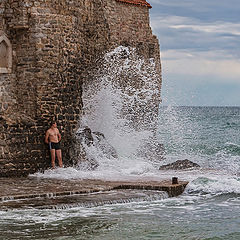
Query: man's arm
{"points": [[59, 136], [46, 137]]}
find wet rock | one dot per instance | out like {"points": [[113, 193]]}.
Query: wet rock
{"points": [[84, 141], [92, 146], [84, 135], [101, 142], [179, 165]]}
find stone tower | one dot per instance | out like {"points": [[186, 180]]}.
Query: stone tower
{"points": [[47, 50]]}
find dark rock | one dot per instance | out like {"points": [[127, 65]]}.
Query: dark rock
{"points": [[101, 142], [92, 146], [99, 135], [179, 165], [85, 136]]}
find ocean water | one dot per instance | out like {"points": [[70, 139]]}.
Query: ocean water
{"points": [[208, 209]]}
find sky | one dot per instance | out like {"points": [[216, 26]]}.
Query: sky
{"points": [[200, 51]]}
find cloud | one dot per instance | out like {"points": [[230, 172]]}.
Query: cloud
{"points": [[205, 10], [202, 65], [177, 32], [172, 3], [195, 48], [200, 52], [215, 28]]}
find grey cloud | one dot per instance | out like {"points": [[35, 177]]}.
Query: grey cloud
{"points": [[206, 10], [177, 32], [199, 42]]}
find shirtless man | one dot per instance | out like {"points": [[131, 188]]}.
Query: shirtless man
{"points": [[53, 138]]}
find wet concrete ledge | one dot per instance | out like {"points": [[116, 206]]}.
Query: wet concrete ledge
{"points": [[31, 188], [173, 190]]}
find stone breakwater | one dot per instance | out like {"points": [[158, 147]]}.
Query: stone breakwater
{"points": [[34, 192]]}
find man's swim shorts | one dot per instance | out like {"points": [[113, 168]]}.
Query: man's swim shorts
{"points": [[55, 146]]}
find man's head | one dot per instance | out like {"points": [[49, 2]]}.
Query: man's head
{"points": [[53, 124]]}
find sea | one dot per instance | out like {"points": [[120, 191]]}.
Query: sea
{"points": [[208, 209]]}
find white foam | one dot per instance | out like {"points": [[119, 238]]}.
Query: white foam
{"points": [[112, 104], [214, 185], [232, 144], [110, 108]]}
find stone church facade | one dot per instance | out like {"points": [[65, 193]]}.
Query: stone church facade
{"points": [[48, 49]]}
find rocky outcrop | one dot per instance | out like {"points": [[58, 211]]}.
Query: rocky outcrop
{"points": [[90, 147], [179, 165], [103, 145]]}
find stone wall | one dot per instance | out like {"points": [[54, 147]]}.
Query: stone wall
{"points": [[55, 45], [130, 26]]}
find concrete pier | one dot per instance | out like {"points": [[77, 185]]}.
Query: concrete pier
{"points": [[24, 192]]}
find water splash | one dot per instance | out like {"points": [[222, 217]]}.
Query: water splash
{"points": [[124, 95], [121, 102]]}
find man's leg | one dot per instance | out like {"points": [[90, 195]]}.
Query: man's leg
{"points": [[52, 151], [59, 157]]}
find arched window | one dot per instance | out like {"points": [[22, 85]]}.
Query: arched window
{"points": [[5, 55]]}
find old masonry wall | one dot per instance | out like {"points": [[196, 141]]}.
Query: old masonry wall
{"points": [[48, 49]]}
